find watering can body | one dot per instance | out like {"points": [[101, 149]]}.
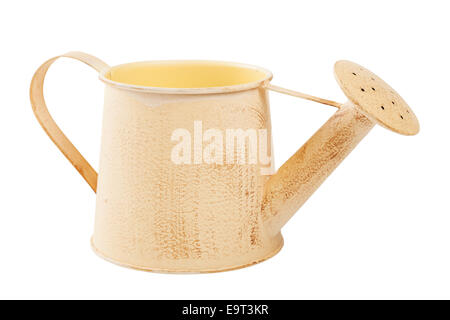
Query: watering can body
{"points": [[187, 215]]}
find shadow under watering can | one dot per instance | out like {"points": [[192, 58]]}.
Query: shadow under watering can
{"points": [[157, 214]]}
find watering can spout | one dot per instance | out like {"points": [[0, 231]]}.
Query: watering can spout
{"points": [[298, 178], [371, 101]]}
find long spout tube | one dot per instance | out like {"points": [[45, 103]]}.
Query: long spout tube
{"points": [[304, 172]]}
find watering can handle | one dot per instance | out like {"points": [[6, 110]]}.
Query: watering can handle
{"points": [[48, 124], [302, 95]]}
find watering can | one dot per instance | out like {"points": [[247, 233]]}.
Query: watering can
{"points": [[186, 180]]}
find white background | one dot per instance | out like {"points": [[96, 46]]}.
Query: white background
{"points": [[379, 227]]}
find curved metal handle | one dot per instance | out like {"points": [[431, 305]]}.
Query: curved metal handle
{"points": [[49, 125]]}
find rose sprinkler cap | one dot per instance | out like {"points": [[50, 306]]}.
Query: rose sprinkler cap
{"points": [[375, 98]]}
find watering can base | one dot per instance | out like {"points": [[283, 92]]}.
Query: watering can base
{"points": [[193, 270]]}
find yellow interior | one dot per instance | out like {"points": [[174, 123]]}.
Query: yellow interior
{"points": [[184, 74]]}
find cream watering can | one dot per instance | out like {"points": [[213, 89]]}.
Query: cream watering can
{"points": [[185, 182]]}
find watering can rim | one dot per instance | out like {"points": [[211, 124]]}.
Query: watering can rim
{"points": [[103, 76]]}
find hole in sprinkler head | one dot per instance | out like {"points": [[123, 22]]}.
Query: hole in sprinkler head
{"points": [[393, 102], [354, 73], [401, 116], [373, 88], [407, 111], [382, 107], [362, 89]]}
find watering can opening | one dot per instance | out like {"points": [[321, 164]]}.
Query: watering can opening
{"points": [[186, 76]]}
